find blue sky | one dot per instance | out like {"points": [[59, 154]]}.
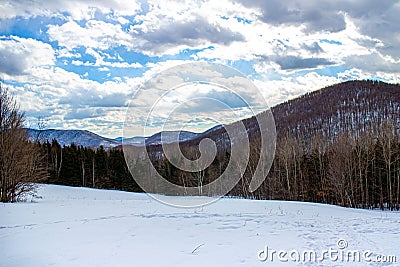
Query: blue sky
{"points": [[77, 64]]}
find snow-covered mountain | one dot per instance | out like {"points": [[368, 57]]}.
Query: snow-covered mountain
{"points": [[89, 139], [67, 137], [136, 140], [170, 137]]}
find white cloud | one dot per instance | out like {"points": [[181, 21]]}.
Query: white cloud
{"points": [[278, 91], [171, 26], [104, 64], [95, 34], [372, 20], [175, 36], [69, 101], [65, 53], [21, 56], [221, 96], [77, 9]]}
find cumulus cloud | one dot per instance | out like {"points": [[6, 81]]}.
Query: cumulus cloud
{"points": [[380, 22], [94, 34], [195, 32], [377, 20], [94, 98], [314, 48], [292, 62], [77, 9], [19, 56], [316, 15], [277, 91], [84, 113], [68, 100], [374, 63], [102, 63], [155, 33]]}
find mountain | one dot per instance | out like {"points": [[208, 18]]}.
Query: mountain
{"points": [[67, 137], [353, 107], [136, 140], [88, 139], [171, 136]]}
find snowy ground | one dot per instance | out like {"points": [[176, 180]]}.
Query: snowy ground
{"points": [[85, 227]]}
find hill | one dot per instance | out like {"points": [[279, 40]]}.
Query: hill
{"points": [[351, 107], [346, 107]]}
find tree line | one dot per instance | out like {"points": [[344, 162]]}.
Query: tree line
{"points": [[82, 166]]}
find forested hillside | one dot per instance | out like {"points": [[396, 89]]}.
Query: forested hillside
{"points": [[352, 107]]}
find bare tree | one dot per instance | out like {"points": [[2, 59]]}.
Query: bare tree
{"points": [[340, 170], [21, 162], [319, 146], [198, 176], [387, 138], [289, 151], [363, 159]]}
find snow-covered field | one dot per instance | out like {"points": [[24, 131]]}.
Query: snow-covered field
{"points": [[86, 227]]}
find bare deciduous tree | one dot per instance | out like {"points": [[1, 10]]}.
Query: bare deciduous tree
{"points": [[21, 161], [388, 138]]}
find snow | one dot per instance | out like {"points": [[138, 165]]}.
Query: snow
{"points": [[88, 227]]}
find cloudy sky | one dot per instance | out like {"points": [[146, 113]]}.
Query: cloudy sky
{"points": [[77, 63]]}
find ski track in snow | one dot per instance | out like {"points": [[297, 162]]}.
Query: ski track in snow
{"points": [[86, 227]]}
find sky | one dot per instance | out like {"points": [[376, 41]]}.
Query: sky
{"points": [[79, 64]]}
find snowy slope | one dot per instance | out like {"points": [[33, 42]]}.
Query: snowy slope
{"points": [[86, 227]]}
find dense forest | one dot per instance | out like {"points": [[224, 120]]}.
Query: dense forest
{"points": [[82, 166], [339, 145]]}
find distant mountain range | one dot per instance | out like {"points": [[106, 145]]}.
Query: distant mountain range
{"points": [[67, 137], [89, 139], [346, 107]]}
